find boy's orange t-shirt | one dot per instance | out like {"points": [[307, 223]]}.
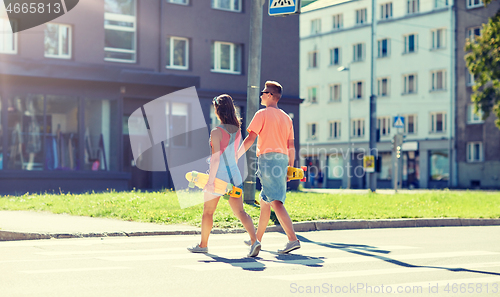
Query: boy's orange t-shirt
{"points": [[274, 128]]}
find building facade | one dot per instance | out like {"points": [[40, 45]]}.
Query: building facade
{"points": [[478, 144], [414, 65], [68, 87]]}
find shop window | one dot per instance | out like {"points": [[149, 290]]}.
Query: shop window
{"points": [[386, 166], [335, 166], [439, 165], [101, 135]]}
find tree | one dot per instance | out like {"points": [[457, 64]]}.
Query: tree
{"points": [[483, 61]]}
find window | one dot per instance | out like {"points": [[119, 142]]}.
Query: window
{"points": [[438, 122], [338, 21], [57, 41], [335, 94], [474, 3], [471, 79], [383, 48], [226, 57], [358, 52], [358, 128], [383, 87], [231, 5], [334, 130], [312, 95], [474, 152], [440, 3], [409, 84], [438, 38], [361, 16], [185, 2], [335, 56], [335, 166], [384, 126], [8, 40], [473, 32], [357, 90], [438, 80], [315, 26], [410, 43], [313, 59], [312, 132], [439, 166], [472, 117], [177, 53], [413, 6], [410, 124], [120, 31], [386, 11]]}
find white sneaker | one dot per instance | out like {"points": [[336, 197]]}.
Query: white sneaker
{"points": [[254, 249], [197, 249], [290, 246]]}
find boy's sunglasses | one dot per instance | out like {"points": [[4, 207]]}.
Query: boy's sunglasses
{"points": [[262, 93]]}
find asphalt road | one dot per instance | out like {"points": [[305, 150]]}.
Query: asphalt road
{"points": [[448, 261]]}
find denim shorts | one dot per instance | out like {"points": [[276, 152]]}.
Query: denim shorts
{"points": [[272, 174]]}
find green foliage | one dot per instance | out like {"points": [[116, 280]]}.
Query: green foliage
{"points": [[163, 208], [483, 61]]}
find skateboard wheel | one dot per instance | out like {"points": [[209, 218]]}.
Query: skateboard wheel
{"points": [[304, 168], [194, 174], [191, 185]]}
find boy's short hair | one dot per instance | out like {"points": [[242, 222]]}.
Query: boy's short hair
{"points": [[275, 88]]}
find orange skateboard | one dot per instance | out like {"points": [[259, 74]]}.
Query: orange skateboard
{"points": [[296, 173], [199, 179]]}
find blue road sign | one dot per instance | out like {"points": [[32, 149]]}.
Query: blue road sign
{"points": [[399, 122], [283, 7]]}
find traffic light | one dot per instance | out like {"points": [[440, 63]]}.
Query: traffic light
{"points": [[398, 151]]}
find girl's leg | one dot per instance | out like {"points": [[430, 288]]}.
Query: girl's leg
{"points": [[265, 215], [207, 220], [237, 207]]}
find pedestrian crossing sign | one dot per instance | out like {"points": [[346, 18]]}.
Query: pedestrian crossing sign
{"points": [[283, 7], [399, 122]]}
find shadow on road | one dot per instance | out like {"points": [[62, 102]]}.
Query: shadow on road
{"points": [[259, 264], [363, 250]]}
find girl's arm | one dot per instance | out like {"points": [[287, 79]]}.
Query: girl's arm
{"points": [[215, 139]]}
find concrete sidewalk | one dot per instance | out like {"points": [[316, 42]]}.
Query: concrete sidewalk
{"points": [[24, 225]]}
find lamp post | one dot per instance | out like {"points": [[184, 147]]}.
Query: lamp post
{"points": [[348, 69]]}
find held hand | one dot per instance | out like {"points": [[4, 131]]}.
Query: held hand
{"points": [[209, 187]]}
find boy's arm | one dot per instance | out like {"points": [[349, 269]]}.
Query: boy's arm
{"points": [[247, 143], [291, 152]]}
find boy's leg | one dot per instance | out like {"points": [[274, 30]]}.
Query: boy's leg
{"points": [[237, 207], [207, 220], [265, 215], [284, 219]]}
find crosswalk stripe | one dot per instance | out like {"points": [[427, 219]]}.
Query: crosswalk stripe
{"points": [[441, 283], [371, 272], [72, 270]]}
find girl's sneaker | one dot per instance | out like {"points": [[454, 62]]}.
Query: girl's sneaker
{"points": [[290, 246], [197, 249]]}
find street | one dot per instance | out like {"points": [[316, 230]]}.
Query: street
{"points": [[451, 261]]}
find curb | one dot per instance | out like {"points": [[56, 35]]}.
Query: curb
{"points": [[298, 227]]}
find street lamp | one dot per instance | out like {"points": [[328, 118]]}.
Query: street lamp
{"points": [[348, 69]]}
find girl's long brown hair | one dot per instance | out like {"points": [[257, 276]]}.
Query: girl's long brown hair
{"points": [[226, 111]]}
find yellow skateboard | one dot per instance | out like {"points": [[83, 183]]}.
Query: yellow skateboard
{"points": [[199, 179], [296, 173]]}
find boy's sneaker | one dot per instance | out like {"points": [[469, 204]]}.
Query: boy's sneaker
{"points": [[254, 249], [197, 249], [290, 246]]}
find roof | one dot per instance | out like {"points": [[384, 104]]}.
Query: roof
{"points": [[319, 4]]}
